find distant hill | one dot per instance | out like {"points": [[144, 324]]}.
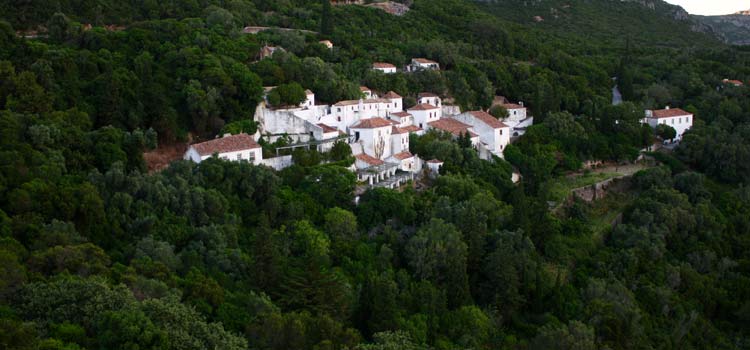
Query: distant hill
{"points": [[644, 21], [733, 29]]}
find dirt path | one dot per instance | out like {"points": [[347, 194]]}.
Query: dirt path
{"points": [[160, 158]]}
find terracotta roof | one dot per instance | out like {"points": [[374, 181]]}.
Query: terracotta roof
{"points": [[369, 159], [364, 88], [327, 129], [354, 102], [382, 65], [668, 113], [512, 106], [372, 123], [401, 114], [422, 107], [423, 61], [426, 94], [734, 82], [450, 125], [232, 143], [403, 155], [411, 128], [396, 130], [435, 161], [488, 119], [391, 94]]}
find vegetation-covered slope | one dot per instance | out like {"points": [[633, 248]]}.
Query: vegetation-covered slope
{"points": [[95, 253]]}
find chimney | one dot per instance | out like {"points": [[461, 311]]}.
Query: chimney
{"points": [[520, 103], [667, 107]]}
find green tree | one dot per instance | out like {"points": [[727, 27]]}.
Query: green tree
{"points": [[438, 254]]}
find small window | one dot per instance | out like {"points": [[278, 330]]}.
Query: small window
{"points": [[338, 109], [239, 156]]}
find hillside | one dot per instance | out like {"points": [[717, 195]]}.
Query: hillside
{"points": [[608, 22], [525, 247], [733, 29]]}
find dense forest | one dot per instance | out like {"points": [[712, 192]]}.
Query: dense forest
{"points": [[97, 253]]}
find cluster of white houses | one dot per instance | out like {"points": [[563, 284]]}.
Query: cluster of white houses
{"points": [[378, 127]]}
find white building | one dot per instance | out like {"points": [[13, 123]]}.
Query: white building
{"points": [[397, 102], [418, 64], [309, 100], [677, 118], [429, 98], [401, 119], [399, 140], [386, 68], [494, 135], [367, 92], [425, 113], [374, 135], [518, 118], [434, 166], [230, 147], [406, 161], [516, 112]]}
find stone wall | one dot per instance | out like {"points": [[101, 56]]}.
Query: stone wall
{"points": [[600, 189]]}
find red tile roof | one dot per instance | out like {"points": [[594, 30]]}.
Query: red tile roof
{"points": [[450, 125], [327, 129], [391, 95], [435, 161], [411, 128], [401, 114], [382, 65], [512, 106], [488, 119], [364, 88], [372, 123], [734, 82], [227, 144], [423, 61], [403, 155], [369, 159], [396, 130], [668, 113], [422, 107]]}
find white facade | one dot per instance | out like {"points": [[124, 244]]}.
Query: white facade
{"points": [[677, 118], [424, 114], [516, 112], [386, 68], [253, 155], [402, 119], [309, 100], [375, 137], [430, 99], [399, 140], [493, 134], [418, 64]]}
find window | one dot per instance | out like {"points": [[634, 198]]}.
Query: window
{"points": [[501, 131], [251, 155], [239, 156], [356, 136], [338, 109], [338, 118]]}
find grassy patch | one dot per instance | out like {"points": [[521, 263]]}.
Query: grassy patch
{"points": [[560, 187]]}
